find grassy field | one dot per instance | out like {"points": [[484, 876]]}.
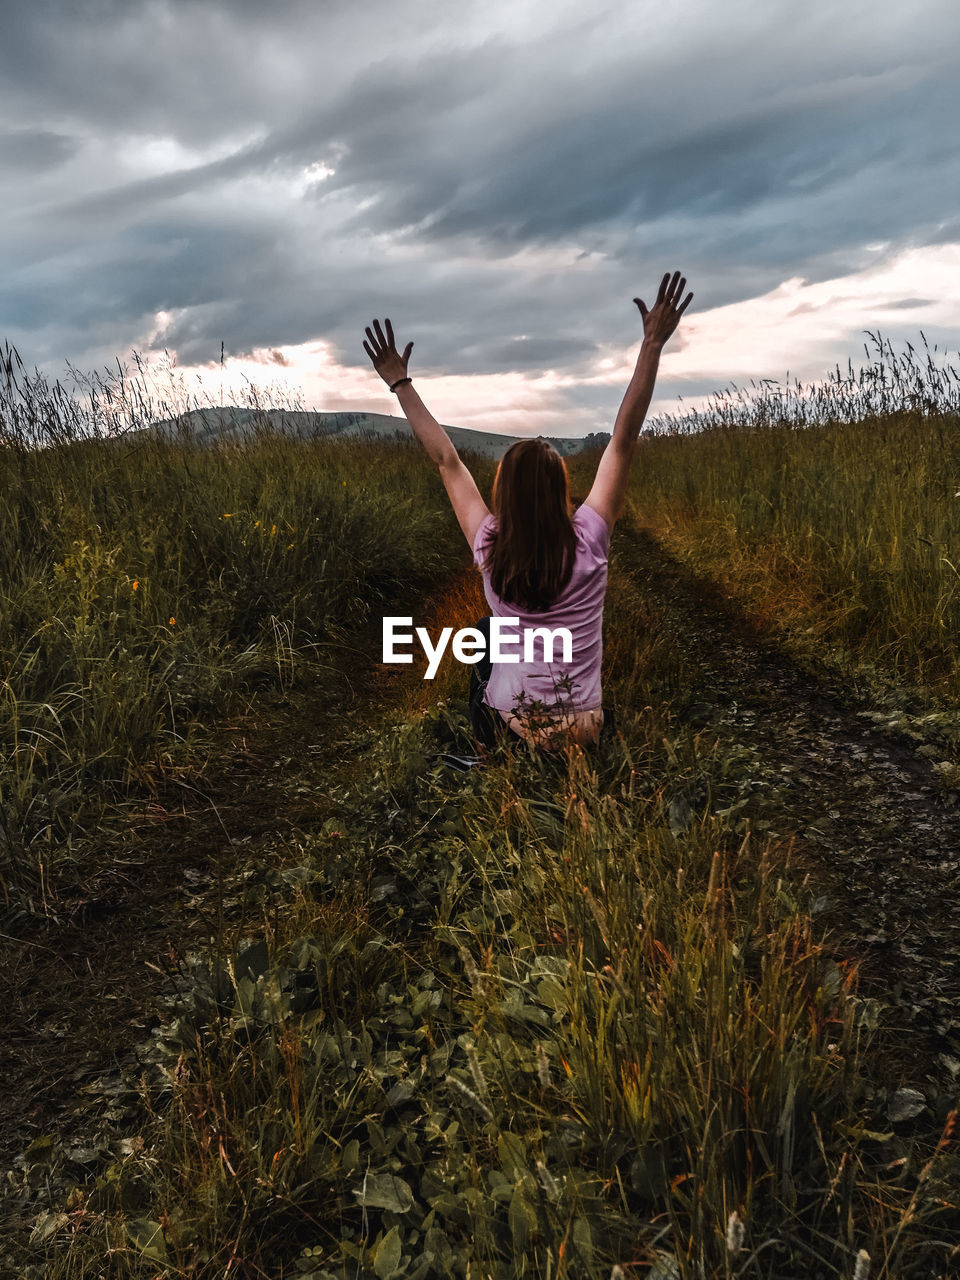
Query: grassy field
{"points": [[151, 584], [538, 1019], [833, 512]]}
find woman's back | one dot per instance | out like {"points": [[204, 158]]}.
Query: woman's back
{"points": [[578, 607]]}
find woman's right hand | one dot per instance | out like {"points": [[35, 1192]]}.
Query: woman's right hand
{"points": [[384, 355], [664, 316]]}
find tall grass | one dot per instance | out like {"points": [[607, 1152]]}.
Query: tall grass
{"points": [[891, 383], [149, 580], [831, 510]]}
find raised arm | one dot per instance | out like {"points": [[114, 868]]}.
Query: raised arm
{"points": [[468, 505], [610, 484]]}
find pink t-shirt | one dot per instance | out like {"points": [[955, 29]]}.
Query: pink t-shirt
{"points": [[579, 607]]}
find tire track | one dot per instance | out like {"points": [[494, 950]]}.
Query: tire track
{"points": [[861, 802]]}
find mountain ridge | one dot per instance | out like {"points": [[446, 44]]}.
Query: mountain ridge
{"points": [[238, 423]]}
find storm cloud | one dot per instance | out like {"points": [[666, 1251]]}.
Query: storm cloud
{"points": [[501, 180]]}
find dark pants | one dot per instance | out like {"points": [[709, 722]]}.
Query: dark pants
{"points": [[488, 724]]}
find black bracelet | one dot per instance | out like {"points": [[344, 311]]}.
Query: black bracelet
{"points": [[399, 383]]}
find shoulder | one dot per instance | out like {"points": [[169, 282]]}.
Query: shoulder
{"points": [[594, 529]]}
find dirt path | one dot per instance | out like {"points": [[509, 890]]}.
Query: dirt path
{"points": [[861, 802], [79, 993]]}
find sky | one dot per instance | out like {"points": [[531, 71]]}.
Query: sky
{"points": [[500, 179]]}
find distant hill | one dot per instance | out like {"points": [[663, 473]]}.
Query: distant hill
{"points": [[233, 423]]}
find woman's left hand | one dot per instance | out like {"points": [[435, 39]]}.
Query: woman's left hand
{"points": [[383, 352]]}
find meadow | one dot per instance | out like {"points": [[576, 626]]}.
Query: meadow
{"points": [[832, 509], [535, 1019], [150, 582]]}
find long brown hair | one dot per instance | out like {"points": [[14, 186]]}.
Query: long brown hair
{"points": [[532, 553]]}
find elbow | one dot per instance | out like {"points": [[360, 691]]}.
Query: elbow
{"points": [[624, 444]]}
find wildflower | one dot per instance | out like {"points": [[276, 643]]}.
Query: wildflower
{"points": [[617, 1272], [734, 1233], [173, 622], [228, 515], [136, 584], [257, 525], [273, 531], [862, 1270]]}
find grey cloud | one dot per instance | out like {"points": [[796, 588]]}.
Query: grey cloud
{"points": [[544, 352], [947, 232], [905, 304], [118, 287], [31, 149], [131, 198], [601, 170], [131, 66]]}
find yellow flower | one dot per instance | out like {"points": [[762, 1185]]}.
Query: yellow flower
{"points": [[273, 531], [228, 515], [135, 584], [173, 621], [257, 525]]}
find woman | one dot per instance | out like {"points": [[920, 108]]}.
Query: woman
{"points": [[540, 563]]}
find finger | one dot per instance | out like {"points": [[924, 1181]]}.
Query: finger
{"points": [[678, 292], [390, 332], [663, 287], [686, 303], [367, 349], [376, 325], [406, 352], [672, 289], [639, 302], [373, 341]]}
